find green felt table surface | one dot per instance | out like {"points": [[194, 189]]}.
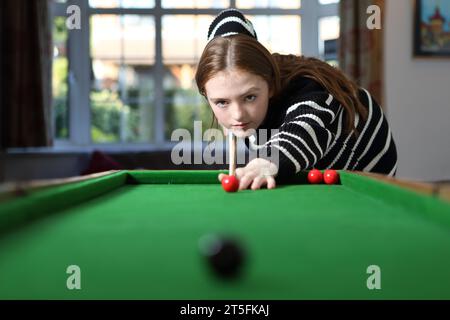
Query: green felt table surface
{"points": [[135, 235]]}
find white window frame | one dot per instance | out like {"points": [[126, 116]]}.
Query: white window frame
{"points": [[79, 78]]}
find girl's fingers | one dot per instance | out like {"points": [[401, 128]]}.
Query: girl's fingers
{"points": [[251, 178], [271, 184], [245, 182], [239, 172], [258, 182]]}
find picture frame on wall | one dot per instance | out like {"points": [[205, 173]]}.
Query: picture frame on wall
{"points": [[432, 28]]}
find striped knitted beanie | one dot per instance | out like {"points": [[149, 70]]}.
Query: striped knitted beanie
{"points": [[230, 22]]}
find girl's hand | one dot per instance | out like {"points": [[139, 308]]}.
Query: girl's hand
{"points": [[257, 173]]}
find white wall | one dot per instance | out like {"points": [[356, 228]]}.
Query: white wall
{"points": [[417, 99]]}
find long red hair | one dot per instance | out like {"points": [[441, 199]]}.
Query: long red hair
{"points": [[247, 54]]}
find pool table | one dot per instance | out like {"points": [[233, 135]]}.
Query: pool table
{"points": [[135, 235]]}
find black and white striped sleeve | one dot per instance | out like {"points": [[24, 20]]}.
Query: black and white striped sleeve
{"points": [[304, 137]]}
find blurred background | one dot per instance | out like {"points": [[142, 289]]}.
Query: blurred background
{"points": [[107, 90]]}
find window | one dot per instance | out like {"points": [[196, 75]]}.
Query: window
{"points": [[126, 78], [328, 39], [122, 59], [59, 79]]}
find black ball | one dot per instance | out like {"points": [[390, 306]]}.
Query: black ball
{"points": [[225, 256]]}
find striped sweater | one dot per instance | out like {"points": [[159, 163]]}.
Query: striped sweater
{"points": [[311, 124]]}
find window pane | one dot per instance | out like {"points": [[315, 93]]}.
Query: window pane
{"points": [[268, 31], [122, 3], [129, 37], [328, 1], [285, 4], [59, 79], [184, 37], [182, 102], [195, 3], [328, 39], [122, 52]]}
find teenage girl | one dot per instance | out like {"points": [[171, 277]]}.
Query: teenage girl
{"points": [[324, 119]]}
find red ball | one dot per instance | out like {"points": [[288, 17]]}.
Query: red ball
{"points": [[331, 176], [230, 183], [315, 176]]}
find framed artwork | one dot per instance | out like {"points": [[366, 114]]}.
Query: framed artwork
{"points": [[432, 28]]}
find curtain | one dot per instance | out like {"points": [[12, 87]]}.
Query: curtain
{"points": [[26, 73], [361, 48]]}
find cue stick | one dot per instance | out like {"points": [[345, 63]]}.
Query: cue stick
{"points": [[232, 148]]}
